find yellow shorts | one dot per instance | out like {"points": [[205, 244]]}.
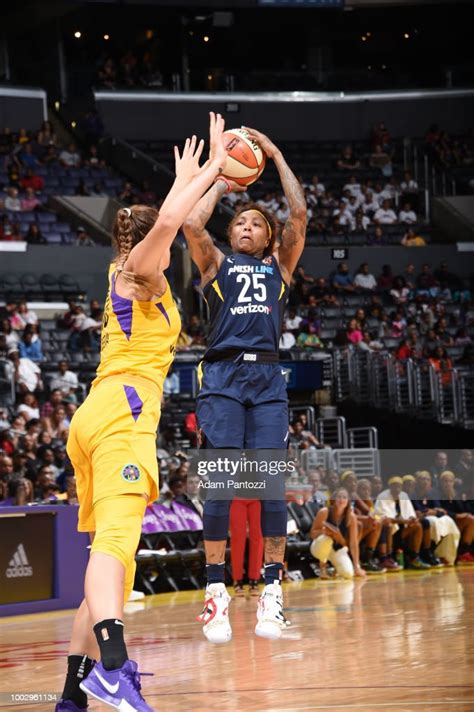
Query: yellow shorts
{"points": [[112, 443]]}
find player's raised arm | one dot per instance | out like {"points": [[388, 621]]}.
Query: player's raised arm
{"points": [[294, 231], [206, 256], [151, 255]]}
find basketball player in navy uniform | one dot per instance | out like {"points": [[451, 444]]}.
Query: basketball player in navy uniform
{"points": [[243, 401]]}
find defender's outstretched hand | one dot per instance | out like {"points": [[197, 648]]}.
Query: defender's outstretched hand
{"points": [[187, 164], [264, 142]]}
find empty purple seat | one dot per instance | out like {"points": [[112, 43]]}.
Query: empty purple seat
{"points": [[62, 227], [46, 217], [54, 238]]}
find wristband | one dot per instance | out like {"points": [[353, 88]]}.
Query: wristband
{"points": [[224, 180]]}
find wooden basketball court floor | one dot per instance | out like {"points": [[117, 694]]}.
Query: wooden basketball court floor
{"points": [[401, 642]]}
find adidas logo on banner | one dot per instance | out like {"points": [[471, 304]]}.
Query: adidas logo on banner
{"points": [[19, 565]]}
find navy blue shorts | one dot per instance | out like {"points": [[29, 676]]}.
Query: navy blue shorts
{"points": [[243, 405]]}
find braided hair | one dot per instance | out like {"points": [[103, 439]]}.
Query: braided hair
{"points": [[130, 226]]}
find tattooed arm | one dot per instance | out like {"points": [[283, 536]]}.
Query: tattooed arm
{"points": [[294, 231], [204, 253]]}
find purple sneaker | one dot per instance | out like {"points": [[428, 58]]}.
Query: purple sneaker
{"points": [[118, 688], [68, 706]]}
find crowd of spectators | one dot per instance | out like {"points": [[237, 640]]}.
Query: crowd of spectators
{"points": [[35, 165], [420, 520], [130, 70]]}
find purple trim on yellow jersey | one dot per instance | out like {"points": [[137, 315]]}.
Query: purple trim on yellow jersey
{"points": [[123, 310], [134, 401], [163, 311]]}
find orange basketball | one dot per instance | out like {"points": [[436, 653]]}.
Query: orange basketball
{"points": [[245, 160]]}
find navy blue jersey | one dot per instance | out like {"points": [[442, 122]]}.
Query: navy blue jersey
{"points": [[246, 299]]}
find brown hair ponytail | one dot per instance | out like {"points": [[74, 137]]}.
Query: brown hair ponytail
{"points": [[130, 226]]}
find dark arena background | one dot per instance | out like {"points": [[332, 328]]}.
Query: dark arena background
{"points": [[371, 103]]}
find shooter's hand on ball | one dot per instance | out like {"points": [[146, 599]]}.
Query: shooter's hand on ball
{"points": [[232, 186], [263, 141]]}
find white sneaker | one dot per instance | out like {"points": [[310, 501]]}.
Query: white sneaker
{"points": [[270, 619], [215, 614]]}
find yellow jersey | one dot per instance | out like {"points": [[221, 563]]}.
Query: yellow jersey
{"points": [[138, 338]]}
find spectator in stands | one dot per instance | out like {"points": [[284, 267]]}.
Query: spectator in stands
{"points": [[31, 180], [23, 137], [93, 158], [448, 279], [11, 232], [11, 337], [342, 281], [34, 236], [302, 439], [443, 365], [55, 399], [65, 381], [287, 339], [462, 338], [27, 315], [82, 189], [44, 482], [407, 215], [465, 467], [385, 215], [399, 292], [83, 239], [27, 374], [12, 201], [344, 215], [441, 535], [442, 333], [395, 505], [411, 239], [98, 190], [426, 284], [293, 320], [334, 531], [377, 238], [70, 157], [30, 202], [127, 195], [51, 157], [381, 160], [408, 186], [361, 222], [28, 158], [171, 385], [364, 281], [347, 160], [46, 136], [29, 348], [308, 340], [353, 333], [458, 510], [370, 342], [380, 136], [318, 495], [177, 488], [57, 423]]}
